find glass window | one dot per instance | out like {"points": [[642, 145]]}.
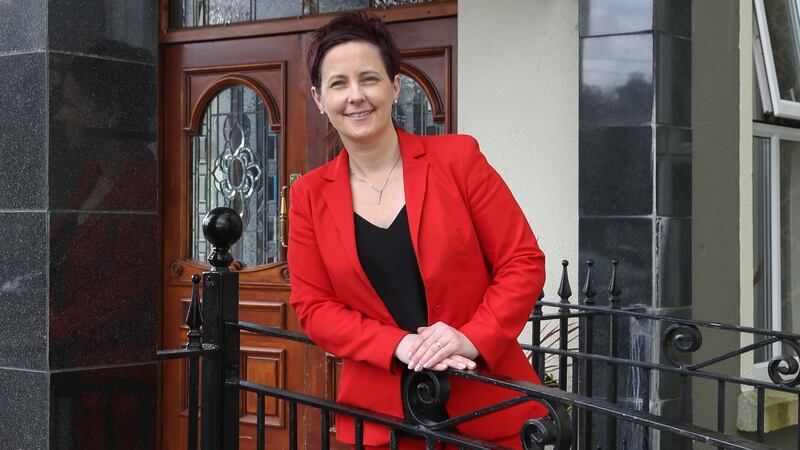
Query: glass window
{"points": [[776, 228], [790, 235], [198, 13], [762, 257], [777, 48], [413, 110], [235, 163]]}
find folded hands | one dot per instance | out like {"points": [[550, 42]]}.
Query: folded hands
{"points": [[437, 347]]}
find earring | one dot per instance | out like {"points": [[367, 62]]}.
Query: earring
{"points": [[395, 101], [322, 112]]}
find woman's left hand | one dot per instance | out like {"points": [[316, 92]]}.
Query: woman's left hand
{"points": [[437, 343]]}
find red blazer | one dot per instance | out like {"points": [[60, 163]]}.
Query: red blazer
{"points": [[480, 264]]}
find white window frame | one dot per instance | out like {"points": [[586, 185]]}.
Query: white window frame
{"points": [[765, 66], [775, 134]]}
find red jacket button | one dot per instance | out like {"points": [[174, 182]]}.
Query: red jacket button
{"points": [[438, 309]]}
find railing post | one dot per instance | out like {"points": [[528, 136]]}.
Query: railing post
{"points": [[614, 303], [222, 227], [537, 357], [586, 337], [194, 319], [564, 293]]}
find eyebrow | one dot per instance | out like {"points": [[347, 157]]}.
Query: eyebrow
{"points": [[366, 72]]}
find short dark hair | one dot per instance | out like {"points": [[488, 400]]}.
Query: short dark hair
{"points": [[349, 27]]}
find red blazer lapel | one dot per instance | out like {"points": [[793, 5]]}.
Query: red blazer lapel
{"points": [[415, 180], [339, 198]]}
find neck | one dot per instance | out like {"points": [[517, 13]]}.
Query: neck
{"points": [[376, 156]]}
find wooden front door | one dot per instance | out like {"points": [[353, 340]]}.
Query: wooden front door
{"points": [[238, 125]]}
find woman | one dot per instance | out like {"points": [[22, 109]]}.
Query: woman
{"points": [[407, 252]]}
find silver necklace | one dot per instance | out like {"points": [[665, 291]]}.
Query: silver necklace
{"points": [[373, 187]]}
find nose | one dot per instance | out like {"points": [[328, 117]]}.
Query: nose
{"points": [[356, 94]]}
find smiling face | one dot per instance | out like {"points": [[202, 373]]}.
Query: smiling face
{"points": [[357, 94]]}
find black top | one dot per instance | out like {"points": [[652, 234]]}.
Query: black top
{"points": [[387, 257]]}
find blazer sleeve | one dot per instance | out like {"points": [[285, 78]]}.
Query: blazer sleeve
{"points": [[328, 322], [512, 254]]}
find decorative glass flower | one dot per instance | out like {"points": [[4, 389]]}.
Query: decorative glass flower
{"points": [[236, 172]]}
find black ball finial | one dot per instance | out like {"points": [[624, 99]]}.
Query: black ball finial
{"points": [[222, 227]]}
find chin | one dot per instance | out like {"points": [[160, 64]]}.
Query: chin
{"points": [[361, 133]]}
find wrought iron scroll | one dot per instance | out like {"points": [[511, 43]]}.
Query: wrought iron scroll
{"points": [[554, 429], [683, 339], [786, 365], [424, 396]]}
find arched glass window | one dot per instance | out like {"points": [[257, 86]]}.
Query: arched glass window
{"points": [[235, 163], [413, 110]]}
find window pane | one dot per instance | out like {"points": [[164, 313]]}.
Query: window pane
{"points": [[235, 164], [762, 256], [413, 111], [784, 33], [790, 237], [227, 11]]}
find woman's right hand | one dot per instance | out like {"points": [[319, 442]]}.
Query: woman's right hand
{"points": [[453, 361]]}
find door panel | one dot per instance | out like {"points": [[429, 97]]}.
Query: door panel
{"points": [[192, 74]]}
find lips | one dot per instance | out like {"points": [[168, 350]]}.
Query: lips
{"points": [[359, 114]]}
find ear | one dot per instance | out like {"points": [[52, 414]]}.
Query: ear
{"points": [[317, 98], [396, 86]]}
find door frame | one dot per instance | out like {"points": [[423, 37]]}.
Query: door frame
{"points": [[292, 25]]}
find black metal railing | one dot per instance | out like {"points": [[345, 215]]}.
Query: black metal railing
{"points": [[576, 409], [676, 341]]}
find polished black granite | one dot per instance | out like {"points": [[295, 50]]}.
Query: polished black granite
{"points": [[635, 184], [674, 17], [674, 81], [108, 408], [103, 288], [23, 291], [599, 17], [673, 262], [673, 171], [630, 241], [119, 29], [22, 26], [616, 80], [23, 140], [23, 409], [102, 134], [615, 171]]}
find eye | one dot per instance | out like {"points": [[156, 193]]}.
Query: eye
{"points": [[370, 79], [337, 83]]}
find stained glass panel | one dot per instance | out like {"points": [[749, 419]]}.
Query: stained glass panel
{"points": [[413, 110], [235, 163], [198, 13]]}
